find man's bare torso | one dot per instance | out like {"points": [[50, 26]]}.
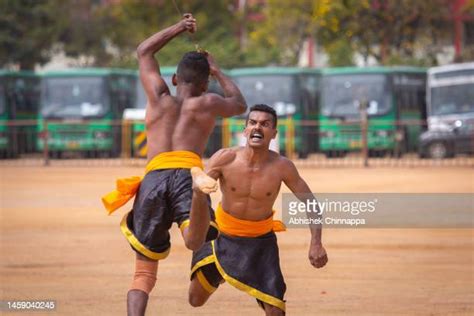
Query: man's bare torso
{"points": [[174, 123], [250, 190]]}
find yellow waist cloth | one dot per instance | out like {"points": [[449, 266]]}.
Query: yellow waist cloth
{"points": [[126, 188], [233, 226]]}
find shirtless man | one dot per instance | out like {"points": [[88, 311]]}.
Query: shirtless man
{"points": [[177, 131], [245, 254]]}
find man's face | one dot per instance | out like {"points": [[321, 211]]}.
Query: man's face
{"points": [[259, 130]]}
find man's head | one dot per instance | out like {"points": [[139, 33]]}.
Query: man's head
{"points": [[193, 69], [260, 126]]}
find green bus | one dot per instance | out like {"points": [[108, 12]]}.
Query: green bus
{"points": [[293, 93], [82, 110], [394, 98], [19, 99]]}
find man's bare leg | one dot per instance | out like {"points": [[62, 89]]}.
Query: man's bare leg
{"points": [[136, 302], [271, 310], [198, 296], [195, 234], [143, 282]]}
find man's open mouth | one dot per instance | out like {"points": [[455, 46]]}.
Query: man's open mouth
{"points": [[256, 136]]}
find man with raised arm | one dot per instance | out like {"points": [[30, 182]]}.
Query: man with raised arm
{"points": [[178, 128], [245, 254]]}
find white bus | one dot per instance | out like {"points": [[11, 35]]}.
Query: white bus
{"points": [[450, 102]]}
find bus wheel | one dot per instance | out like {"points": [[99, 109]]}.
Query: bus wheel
{"points": [[438, 150]]}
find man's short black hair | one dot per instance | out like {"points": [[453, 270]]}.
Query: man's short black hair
{"points": [[263, 108], [193, 68]]}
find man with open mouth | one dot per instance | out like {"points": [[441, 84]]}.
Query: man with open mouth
{"points": [[245, 254]]}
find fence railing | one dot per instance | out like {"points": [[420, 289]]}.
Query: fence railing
{"points": [[308, 143]]}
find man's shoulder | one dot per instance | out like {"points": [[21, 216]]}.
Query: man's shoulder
{"points": [[210, 99], [276, 157], [200, 102], [280, 161], [225, 156]]}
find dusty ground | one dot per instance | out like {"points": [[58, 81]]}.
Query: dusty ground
{"points": [[58, 243]]}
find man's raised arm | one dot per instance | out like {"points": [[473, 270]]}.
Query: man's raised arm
{"points": [[233, 102], [150, 75]]}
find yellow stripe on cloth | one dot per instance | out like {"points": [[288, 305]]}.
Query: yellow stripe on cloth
{"points": [[205, 284], [233, 226], [201, 263], [126, 188], [186, 223], [138, 246], [267, 298]]}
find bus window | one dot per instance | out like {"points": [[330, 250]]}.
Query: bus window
{"points": [[410, 92], [74, 97], [276, 91], [311, 90], [457, 99], [343, 94], [122, 94]]}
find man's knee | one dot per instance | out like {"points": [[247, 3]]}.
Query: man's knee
{"points": [[198, 295], [271, 310], [193, 244], [145, 275], [196, 300], [190, 241]]}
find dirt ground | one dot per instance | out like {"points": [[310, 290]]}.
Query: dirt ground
{"points": [[58, 243]]}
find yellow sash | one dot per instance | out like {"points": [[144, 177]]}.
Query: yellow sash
{"points": [[231, 225], [126, 188]]}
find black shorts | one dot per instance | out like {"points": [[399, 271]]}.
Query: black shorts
{"points": [[251, 264], [164, 197]]}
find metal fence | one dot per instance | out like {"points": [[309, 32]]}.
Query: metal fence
{"points": [[307, 143]]}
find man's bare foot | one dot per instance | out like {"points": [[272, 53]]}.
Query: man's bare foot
{"points": [[202, 182]]}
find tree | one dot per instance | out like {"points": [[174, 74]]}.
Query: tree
{"points": [[280, 37], [129, 22], [27, 32], [81, 31], [388, 30]]}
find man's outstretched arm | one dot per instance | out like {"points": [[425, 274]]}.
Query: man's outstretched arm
{"points": [[317, 254], [150, 74], [233, 102]]}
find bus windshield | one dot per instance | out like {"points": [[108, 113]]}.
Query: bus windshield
{"points": [[73, 97], [278, 91], [452, 99], [141, 95], [342, 95]]}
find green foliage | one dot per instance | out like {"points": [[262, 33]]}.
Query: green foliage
{"points": [[390, 30], [27, 32], [81, 31], [130, 22], [279, 38], [107, 33], [340, 53]]}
